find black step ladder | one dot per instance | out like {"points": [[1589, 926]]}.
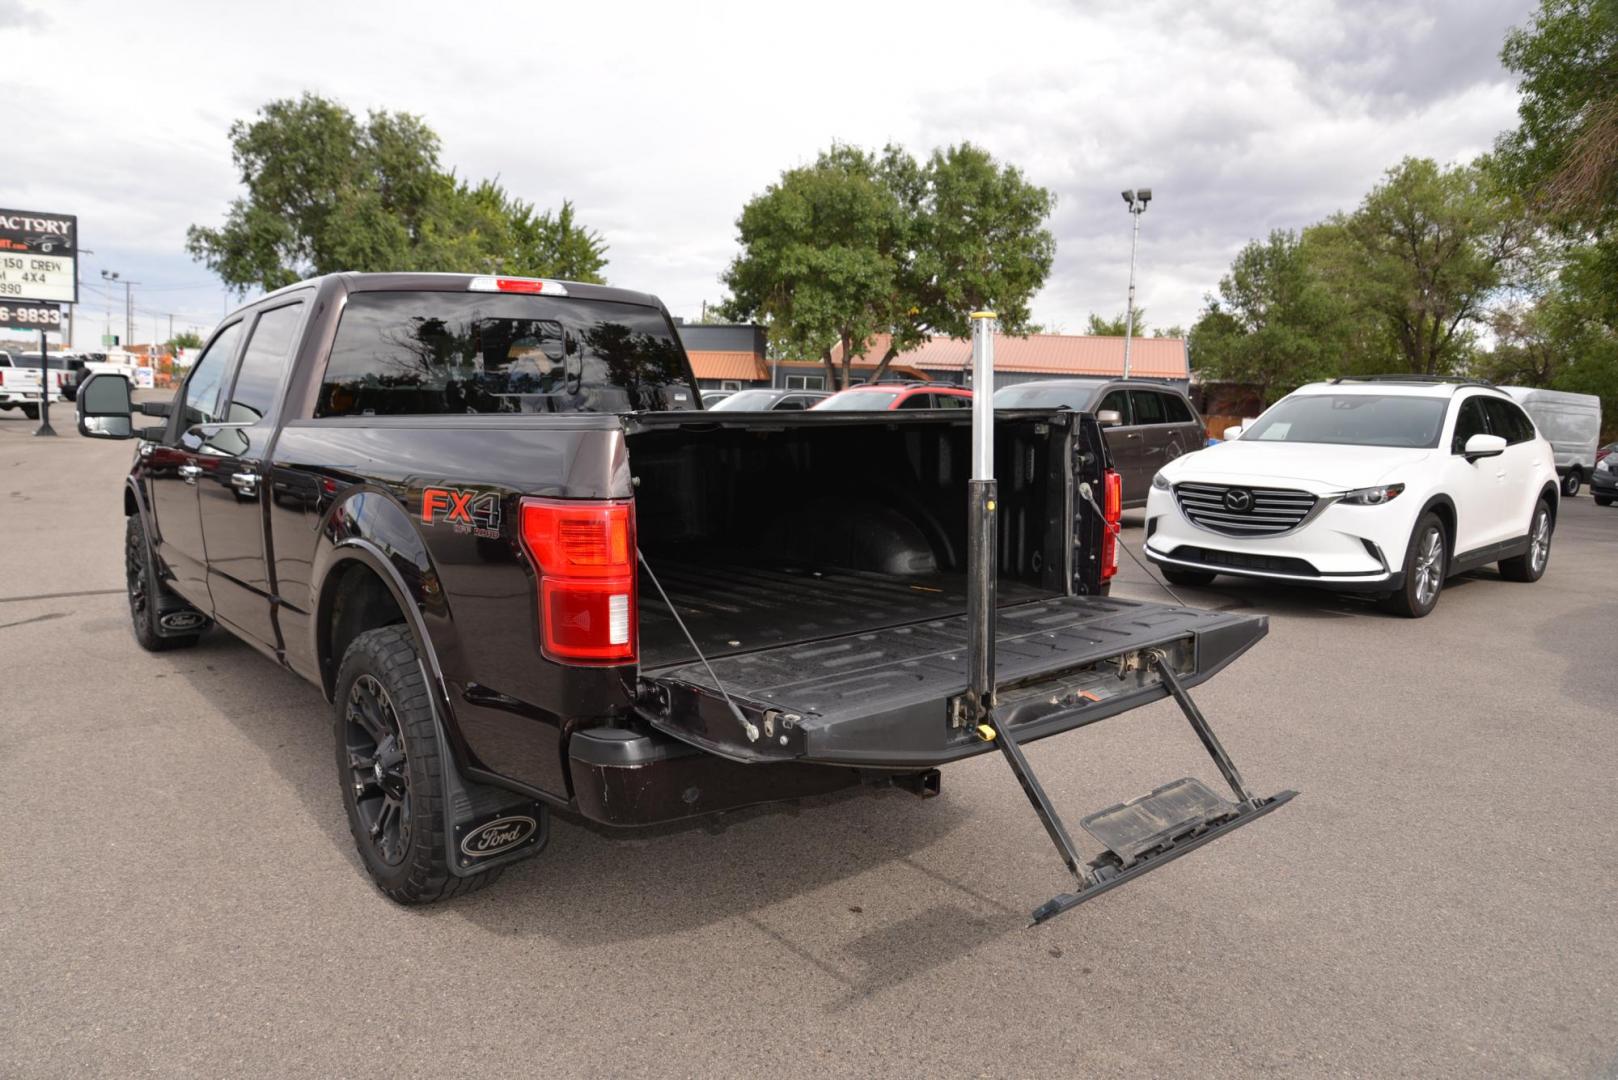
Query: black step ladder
{"points": [[1144, 833], [1140, 835]]}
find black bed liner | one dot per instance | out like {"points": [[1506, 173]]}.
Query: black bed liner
{"points": [[882, 698], [731, 607]]}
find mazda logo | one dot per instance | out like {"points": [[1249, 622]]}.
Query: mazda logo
{"points": [[1237, 499]]}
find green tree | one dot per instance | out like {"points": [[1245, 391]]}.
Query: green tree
{"points": [[185, 339], [1096, 326], [1564, 151], [819, 263], [1422, 257], [974, 238], [1274, 324], [856, 245], [327, 192]]}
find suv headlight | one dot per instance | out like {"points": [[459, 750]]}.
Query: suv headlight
{"points": [[1372, 496], [1606, 463], [1159, 481]]}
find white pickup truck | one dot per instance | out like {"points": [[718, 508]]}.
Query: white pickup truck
{"points": [[19, 381]]}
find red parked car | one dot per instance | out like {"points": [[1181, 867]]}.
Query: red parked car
{"points": [[880, 397]]}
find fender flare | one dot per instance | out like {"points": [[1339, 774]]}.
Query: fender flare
{"points": [[1436, 500], [1552, 494], [365, 552]]}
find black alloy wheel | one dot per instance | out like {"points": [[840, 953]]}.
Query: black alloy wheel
{"points": [[379, 770]]}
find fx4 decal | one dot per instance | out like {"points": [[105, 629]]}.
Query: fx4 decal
{"points": [[465, 510]]}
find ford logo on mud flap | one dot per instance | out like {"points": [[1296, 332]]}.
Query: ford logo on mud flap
{"points": [[180, 620], [497, 836]]}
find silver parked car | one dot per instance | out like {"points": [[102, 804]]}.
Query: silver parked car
{"points": [[1155, 421]]}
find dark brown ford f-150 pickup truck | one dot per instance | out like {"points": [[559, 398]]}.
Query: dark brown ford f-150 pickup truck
{"points": [[488, 518]]}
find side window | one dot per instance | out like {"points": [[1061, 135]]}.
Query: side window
{"points": [[917, 401], [258, 381], [1117, 401], [1148, 407], [792, 402], [1177, 410], [1468, 422], [1507, 421], [202, 388]]}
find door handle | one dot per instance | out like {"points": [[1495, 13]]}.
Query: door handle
{"points": [[1131, 434], [245, 482], [189, 472]]}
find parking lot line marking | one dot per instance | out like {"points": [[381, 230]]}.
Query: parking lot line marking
{"points": [[58, 595]]}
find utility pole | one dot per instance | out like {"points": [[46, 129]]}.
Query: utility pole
{"points": [[1137, 206], [129, 309]]}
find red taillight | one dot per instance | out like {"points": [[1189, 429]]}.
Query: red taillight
{"points": [[1112, 505], [584, 552]]}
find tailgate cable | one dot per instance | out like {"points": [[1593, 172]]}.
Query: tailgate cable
{"points": [[747, 725], [1117, 536]]}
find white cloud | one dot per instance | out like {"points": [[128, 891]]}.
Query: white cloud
{"points": [[660, 120]]}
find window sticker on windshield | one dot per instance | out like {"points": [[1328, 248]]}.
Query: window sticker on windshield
{"points": [[1277, 430]]}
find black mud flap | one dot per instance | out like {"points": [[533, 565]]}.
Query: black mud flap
{"points": [[488, 826]]}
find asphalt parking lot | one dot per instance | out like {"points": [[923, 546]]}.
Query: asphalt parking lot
{"points": [[179, 894]]}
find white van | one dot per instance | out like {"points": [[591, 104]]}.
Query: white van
{"points": [[1571, 423]]}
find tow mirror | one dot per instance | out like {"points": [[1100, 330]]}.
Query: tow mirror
{"points": [[1233, 433], [1109, 418], [104, 407], [1482, 446]]}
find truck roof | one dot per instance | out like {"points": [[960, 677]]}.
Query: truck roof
{"points": [[428, 281]]}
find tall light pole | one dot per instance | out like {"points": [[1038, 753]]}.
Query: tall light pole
{"points": [[108, 276], [1137, 201]]}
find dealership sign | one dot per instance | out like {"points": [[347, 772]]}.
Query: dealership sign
{"points": [[39, 256], [24, 315]]}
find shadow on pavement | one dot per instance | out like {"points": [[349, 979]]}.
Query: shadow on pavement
{"points": [[593, 885]]}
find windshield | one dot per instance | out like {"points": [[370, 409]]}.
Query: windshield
{"points": [[1044, 397], [860, 401], [747, 401], [1352, 420]]}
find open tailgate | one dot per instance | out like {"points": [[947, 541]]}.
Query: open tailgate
{"points": [[892, 698]]}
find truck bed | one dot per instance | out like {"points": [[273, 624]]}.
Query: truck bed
{"points": [[884, 698], [731, 606]]}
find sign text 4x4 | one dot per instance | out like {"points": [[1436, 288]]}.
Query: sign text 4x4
{"points": [[39, 256]]}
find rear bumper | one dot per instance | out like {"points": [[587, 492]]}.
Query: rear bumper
{"points": [[628, 778]]}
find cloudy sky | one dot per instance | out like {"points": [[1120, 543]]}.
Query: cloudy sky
{"points": [[659, 120]]}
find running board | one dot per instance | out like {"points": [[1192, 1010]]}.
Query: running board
{"points": [[1147, 832]]}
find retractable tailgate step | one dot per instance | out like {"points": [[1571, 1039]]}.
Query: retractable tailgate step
{"points": [[1130, 830], [883, 699]]}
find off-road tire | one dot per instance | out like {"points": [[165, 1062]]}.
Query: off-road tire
{"points": [[1412, 599], [1178, 575], [1571, 483], [30, 411], [421, 873], [145, 591], [1531, 564]]}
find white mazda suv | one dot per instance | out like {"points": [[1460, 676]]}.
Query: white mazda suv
{"points": [[1385, 485]]}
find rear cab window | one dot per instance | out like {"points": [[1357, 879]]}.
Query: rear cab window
{"points": [[410, 353]]}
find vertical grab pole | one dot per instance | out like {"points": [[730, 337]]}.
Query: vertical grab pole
{"points": [[981, 526]]}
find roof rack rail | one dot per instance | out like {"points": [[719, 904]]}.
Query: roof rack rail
{"points": [[1456, 380]]}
